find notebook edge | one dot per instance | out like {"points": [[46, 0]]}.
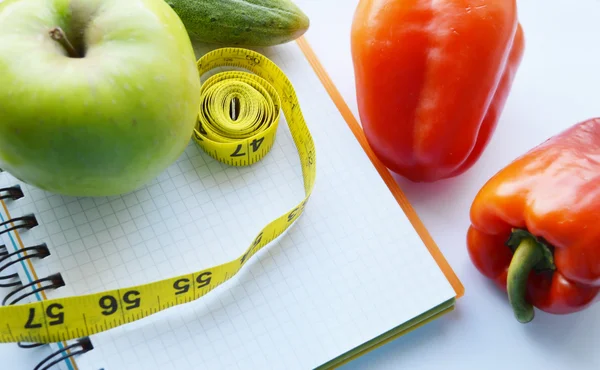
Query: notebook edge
{"points": [[394, 187]]}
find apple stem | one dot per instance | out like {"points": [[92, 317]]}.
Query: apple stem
{"points": [[59, 35]]}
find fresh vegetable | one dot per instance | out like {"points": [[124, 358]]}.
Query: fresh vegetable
{"points": [[241, 22], [535, 225], [432, 78], [96, 97]]}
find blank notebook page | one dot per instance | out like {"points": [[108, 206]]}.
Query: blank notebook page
{"points": [[351, 268]]}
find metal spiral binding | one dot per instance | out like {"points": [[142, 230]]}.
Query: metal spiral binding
{"points": [[6, 260], [84, 343], [5, 280], [53, 281], [21, 291], [14, 193], [24, 222]]}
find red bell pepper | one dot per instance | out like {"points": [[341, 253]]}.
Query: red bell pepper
{"points": [[535, 225], [432, 78]]}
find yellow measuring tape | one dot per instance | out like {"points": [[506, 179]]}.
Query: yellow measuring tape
{"points": [[255, 99]]}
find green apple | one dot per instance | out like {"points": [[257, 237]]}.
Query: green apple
{"points": [[97, 97]]}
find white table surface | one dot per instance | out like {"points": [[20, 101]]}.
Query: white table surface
{"points": [[558, 85]]}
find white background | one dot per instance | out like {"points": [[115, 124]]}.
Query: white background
{"points": [[558, 85]]}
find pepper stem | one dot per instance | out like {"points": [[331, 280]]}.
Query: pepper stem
{"points": [[527, 255], [530, 253]]}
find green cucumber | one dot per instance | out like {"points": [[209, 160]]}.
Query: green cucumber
{"points": [[241, 22]]}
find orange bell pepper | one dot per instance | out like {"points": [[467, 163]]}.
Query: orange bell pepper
{"points": [[432, 78], [535, 225]]}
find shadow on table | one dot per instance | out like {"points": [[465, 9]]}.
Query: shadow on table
{"points": [[562, 333]]}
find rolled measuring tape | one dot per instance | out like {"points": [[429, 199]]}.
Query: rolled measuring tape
{"points": [[237, 122]]}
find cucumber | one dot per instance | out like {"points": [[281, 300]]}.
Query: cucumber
{"points": [[241, 22]]}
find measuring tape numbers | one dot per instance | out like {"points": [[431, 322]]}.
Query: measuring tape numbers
{"points": [[256, 97]]}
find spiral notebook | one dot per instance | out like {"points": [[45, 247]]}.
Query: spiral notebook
{"points": [[356, 270]]}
